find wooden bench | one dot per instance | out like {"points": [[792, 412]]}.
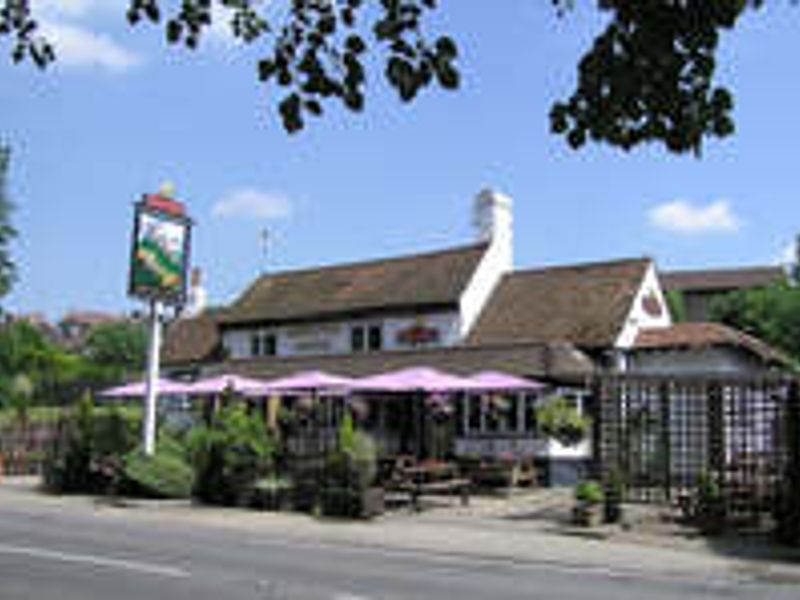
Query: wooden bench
{"points": [[448, 486], [416, 490]]}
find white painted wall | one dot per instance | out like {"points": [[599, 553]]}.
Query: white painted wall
{"points": [[520, 447], [638, 318], [493, 220], [334, 337]]}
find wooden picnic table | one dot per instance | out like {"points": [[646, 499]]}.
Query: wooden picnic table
{"points": [[430, 478]]}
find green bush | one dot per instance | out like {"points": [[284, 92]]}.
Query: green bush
{"points": [[166, 474], [229, 455], [614, 491], [88, 449], [589, 491], [558, 420], [350, 471]]}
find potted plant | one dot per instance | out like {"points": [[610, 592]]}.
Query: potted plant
{"points": [[349, 489], [589, 497], [612, 505], [273, 492], [710, 511], [558, 419]]}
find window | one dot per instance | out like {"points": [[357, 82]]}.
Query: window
{"points": [[512, 416], [375, 338], [255, 344], [474, 414], [366, 338], [531, 403], [263, 344], [357, 339], [269, 345]]}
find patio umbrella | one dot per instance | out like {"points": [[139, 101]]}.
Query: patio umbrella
{"points": [[497, 381], [222, 383], [426, 387], [416, 379], [305, 381], [139, 388]]}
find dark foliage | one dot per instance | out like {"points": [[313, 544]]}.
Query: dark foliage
{"points": [[229, 456], [8, 271], [648, 77], [86, 454]]}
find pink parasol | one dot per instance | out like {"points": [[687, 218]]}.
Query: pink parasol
{"points": [[306, 381], [496, 381], [417, 379], [223, 383], [139, 388]]}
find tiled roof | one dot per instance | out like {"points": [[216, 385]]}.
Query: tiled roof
{"points": [[558, 361], [721, 279], [194, 340], [585, 305], [435, 279], [91, 317], [703, 335]]}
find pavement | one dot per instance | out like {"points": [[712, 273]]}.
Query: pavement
{"points": [[515, 531]]}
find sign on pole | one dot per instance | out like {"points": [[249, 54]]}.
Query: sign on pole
{"points": [[158, 274]]}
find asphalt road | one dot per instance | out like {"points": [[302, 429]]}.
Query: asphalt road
{"points": [[65, 556]]}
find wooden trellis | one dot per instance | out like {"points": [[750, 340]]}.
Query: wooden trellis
{"points": [[660, 436]]}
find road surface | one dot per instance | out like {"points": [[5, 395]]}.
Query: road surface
{"points": [[61, 555]]}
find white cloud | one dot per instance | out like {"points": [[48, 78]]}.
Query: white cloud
{"points": [[76, 8], [253, 204], [681, 216], [220, 29], [79, 47]]}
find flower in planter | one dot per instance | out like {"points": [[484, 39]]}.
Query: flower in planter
{"points": [[506, 457], [496, 407], [304, 404], [439, 406], [358, 409]]}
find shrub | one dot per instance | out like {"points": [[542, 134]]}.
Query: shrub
{"points": [[350, 471], [166, 474], [67, 466], [589, 492], [229, 455], [88, 448], [558, 420], [710, 504]]}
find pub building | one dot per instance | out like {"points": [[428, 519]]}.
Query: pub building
{"points": [[462, 310]]}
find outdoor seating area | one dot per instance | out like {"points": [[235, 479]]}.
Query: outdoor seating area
{"points": [[409, 413]]}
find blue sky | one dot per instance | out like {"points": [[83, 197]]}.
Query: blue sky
{"points": [[121, 113]]}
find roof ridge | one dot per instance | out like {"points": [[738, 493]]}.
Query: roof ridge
{"points": [[583, 265], [721, 269], [371, 261]]}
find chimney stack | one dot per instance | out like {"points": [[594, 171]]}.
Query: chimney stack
{"points": [[197, 297], [493, 221]]}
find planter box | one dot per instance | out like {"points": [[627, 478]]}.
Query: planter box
{"points": [[587, 515]]}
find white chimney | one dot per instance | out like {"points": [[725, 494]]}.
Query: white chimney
{"points": [[197, 298], [493, 221]]}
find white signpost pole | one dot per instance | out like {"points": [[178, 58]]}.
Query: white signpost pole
{"points": [[151, 396]]}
